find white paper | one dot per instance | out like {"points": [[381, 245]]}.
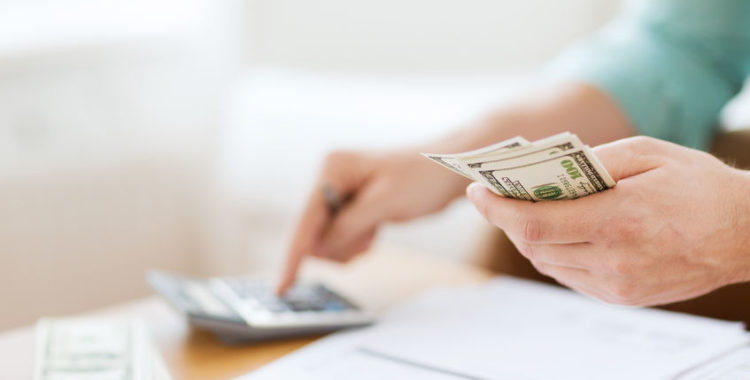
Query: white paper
{"points": [[734, 365], [516, 329], [337, 358]]}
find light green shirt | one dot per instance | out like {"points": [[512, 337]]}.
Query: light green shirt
{"points": [[670, 64]]}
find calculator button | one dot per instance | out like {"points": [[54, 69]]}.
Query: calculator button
{"points": [[335, 306], [301, 302]]}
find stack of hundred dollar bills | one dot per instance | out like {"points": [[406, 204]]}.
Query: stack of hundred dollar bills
{"points": [[557, 167], [101, 349]]}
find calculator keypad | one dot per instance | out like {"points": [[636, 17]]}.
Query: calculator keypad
{"points": [[299, 299]]}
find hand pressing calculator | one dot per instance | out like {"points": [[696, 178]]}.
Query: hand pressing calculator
{"points": [[239, 309]]}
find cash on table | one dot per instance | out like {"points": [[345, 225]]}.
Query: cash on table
{"points": [[557, 167], [96, 349]]}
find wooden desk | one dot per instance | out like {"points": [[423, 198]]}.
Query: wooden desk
{"points": [[377, 280]]}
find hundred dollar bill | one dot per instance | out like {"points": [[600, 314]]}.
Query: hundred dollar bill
{"points": [[567, 175], [535, 151], [454, 161], [101, 349], [557, 167]]}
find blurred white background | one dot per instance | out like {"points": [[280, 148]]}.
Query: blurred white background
{"points": [[184, 135]]}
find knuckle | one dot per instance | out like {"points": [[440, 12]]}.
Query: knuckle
{"points": [[541, 268], [528, 251], [622, 267], [626, 229], [643, 144], [624, 293], [531, 229]]}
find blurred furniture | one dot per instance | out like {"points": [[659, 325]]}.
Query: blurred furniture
{"points": [[729, 302], [733, 147], [377, 280]]}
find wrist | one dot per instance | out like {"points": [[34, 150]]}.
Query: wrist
{"points": [[445, 185]]}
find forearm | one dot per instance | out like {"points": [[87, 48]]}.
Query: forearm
{"points": [[580, 109]]}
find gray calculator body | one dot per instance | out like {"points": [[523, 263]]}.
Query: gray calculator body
{"points": [[240, 309]]}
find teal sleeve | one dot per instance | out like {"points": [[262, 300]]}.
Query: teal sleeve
{"points": [[671, 65]]}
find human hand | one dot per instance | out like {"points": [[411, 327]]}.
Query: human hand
{"points": [[381, 187], [676, 226]]}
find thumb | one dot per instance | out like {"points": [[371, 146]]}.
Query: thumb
{"points": [[631, 156]]}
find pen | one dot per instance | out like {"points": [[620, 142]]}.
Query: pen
{"points": [[333, 200]]}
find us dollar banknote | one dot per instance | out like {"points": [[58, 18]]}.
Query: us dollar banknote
{"points": [[453, 161], [557, 167], [101, 349]]}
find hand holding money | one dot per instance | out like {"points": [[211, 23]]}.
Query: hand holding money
{"points": [[675, 226], [558, 167]]}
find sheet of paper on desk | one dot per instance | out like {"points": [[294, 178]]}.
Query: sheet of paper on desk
{"points": [[514, 329], [338, 358], [734, 365]]}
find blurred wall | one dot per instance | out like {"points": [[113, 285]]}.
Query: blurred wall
{"points": [[419, 35], [108, 126]]}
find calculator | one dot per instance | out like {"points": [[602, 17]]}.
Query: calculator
{"points": [[242, 309]]}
